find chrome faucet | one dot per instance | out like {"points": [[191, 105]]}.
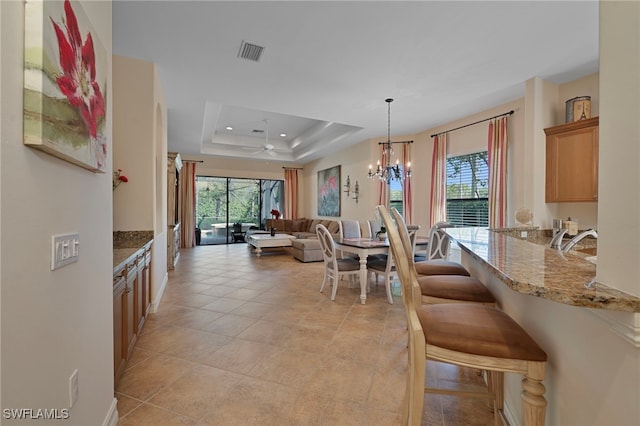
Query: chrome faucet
{"points": [[556, 241], [572, 242]]}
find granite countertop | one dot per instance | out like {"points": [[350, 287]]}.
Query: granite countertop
{"points": [[534, 269], [127, 244]]}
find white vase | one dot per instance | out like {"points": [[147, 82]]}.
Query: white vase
{"points": [[382, 236]]}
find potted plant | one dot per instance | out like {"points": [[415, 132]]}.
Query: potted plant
{"points": [[382, 233]]}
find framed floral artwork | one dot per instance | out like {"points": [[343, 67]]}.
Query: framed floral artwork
{"points": [[329, 192], [65, 77]]}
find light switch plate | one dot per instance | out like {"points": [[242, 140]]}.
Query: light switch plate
{"points": [[65, 249]]}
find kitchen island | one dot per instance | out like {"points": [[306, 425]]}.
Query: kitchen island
{"points": [[537, 270], [591, 335]]}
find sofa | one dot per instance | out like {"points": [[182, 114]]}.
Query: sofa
{"points": [[306, 247], [301, 228]]}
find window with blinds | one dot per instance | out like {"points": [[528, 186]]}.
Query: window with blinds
{"points": [[396, 194], [468, 189]]}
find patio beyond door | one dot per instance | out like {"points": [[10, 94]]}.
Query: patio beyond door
{"points": [[226, 205]]}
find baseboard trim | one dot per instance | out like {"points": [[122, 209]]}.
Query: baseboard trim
{"points": [[508, 416], [112, 416], [156, 302]]}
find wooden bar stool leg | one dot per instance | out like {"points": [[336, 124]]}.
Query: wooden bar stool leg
{"points": [[534, 404], [495, 383]]}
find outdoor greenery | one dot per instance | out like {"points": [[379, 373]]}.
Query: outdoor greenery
{"points": [[468, 189], [467, 176], [244, 203], [395, 199]]}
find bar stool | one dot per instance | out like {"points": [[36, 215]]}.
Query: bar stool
{"points": [[452, 287], [445, 287], [464, 334]]}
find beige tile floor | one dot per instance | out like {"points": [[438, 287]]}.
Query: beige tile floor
{"points": [[240, 340]]}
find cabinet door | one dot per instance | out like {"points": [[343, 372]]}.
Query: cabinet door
{"points": [[130, 309], [119, 344], [146, 283], [139, 295], [572, 162]]}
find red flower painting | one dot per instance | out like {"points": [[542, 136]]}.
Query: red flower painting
{"points": [[78, 80], [66, 69], [329, 192]]}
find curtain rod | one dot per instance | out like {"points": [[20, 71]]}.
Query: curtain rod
{"points": [[293, 168], [387, 142], [471, 124], [193, 161]]}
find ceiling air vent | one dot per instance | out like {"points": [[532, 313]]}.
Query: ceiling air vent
{"points": [[250, 51], [257, 131]]}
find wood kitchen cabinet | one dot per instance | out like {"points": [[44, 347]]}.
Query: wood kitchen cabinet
{"points": [[146, 281], [130, 324], [142, 288], [572, 162], [119, 320], [131, 305]]}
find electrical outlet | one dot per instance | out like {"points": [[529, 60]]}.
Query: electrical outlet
{"points": [[74, 388], [65, 249]]}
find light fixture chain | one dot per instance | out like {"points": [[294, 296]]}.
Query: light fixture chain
{"points": [[384, 170]]}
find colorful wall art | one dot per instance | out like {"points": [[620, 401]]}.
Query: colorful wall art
{"points": [[65, 77], [329, 192]]}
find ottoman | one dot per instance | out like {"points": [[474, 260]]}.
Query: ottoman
{"points": [[307, 250]]}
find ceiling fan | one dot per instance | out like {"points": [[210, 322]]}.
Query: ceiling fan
{"points": [[266, 147]]}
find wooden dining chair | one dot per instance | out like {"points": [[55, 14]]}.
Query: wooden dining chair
{"points": [[348, 229], [436, 262], [334, 267], [464, 334], [383, 265]]}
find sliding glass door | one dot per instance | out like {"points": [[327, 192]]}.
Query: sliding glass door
{"points": [[228, 207], [272, 194]]}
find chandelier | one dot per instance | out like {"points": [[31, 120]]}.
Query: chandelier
{"points": [[384, 170]]}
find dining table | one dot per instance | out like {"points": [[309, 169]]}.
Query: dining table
{"points": [[364, 247]]}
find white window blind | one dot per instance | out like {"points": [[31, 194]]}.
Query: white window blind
{"points": [[468, 189]]}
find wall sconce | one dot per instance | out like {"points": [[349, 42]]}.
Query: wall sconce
{"points": [[348, 186], [356, 192]]}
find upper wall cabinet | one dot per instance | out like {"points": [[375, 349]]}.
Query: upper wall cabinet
{"points": [[572, 162]]}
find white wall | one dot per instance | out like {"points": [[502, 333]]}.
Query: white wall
{"points": [[619, 178], [134, 143], [354, 162], [53, 322], [140, 150]]}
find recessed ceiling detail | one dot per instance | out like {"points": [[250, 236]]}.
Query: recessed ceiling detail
{"points": [[252, 129], [250, 51]]}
